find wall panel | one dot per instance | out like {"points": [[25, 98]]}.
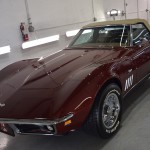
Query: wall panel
{"points": [[50, 16]]}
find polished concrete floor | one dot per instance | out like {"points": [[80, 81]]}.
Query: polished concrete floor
{"points": [[133, 135]]}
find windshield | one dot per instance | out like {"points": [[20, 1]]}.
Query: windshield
{"points": [[103, 36]]}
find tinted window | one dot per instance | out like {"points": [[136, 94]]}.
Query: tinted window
{"points": [[139, 32], [105, 36]]}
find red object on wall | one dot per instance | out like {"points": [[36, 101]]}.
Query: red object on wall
{"points": [[25, 37], [24, 32]]}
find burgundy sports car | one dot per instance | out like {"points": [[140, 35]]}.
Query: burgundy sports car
{"points": [[82, 85]]}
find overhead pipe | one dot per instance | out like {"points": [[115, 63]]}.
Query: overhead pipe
{"points": [[138, 9], [30, 28], [94, 18], [148, 11], [125, 9]]}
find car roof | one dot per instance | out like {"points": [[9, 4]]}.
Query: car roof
{"points": [[118, 22]]}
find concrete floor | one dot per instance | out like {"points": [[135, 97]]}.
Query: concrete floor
{"points": [[134, 133]]}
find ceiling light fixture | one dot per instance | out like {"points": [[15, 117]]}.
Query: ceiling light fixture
{"points": [[114, 12]]}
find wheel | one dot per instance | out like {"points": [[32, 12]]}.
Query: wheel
{"points": [[106, 113]]}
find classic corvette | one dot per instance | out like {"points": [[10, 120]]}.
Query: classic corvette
{"points": [[82, 85]]}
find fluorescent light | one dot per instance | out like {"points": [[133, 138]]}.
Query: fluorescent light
{"points": [[119, 12], [40, 41], [114, 12], [108, 13], [72, 33], [87, 31], [4, 50]]}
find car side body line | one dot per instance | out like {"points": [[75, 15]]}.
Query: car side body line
{"points": [[137, 84]]}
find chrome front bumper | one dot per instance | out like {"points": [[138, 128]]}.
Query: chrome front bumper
{"points": [[36, 126]]}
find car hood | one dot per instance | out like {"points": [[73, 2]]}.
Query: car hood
{"points": [[65, 64], [35, 88]]}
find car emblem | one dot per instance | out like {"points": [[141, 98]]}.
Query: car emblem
{"points": [[2, 105]]}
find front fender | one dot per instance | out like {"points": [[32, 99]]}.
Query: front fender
{"points": [[85, 91]]}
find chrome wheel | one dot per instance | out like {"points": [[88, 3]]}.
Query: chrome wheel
{"points": [[111, 110]]}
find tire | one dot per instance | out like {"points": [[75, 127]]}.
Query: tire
{"points": [[105, 117]]}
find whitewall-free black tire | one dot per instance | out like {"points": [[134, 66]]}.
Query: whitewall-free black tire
{"points": [[105, 117]]}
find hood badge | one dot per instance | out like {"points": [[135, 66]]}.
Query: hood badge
{"points": [[2, 105]]}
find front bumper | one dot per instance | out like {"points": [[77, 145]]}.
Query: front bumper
{"points": [[34, 126]]}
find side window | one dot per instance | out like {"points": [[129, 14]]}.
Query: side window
{"points": [[140, 32]]}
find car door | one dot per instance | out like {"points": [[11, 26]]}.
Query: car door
{"points": [[128, 70], [141, 48]]}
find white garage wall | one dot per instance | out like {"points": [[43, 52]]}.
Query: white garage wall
{"points": [[51, 14], [113, 4], [134, 8], [49, 17]]}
